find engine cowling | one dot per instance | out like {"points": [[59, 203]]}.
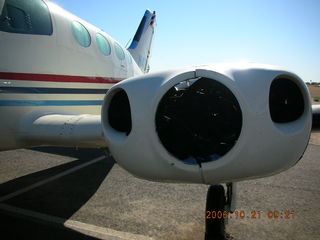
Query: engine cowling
{"points": [[208, 124]]}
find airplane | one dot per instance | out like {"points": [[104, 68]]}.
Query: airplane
{"points": [[65, 82]]}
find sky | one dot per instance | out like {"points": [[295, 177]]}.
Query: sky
{"points": [[278, 32]]}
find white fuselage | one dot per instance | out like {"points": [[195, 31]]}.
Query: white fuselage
{"points": [[55, 74]]}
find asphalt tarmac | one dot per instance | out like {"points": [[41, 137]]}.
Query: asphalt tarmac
{"points": [[67, 193]]}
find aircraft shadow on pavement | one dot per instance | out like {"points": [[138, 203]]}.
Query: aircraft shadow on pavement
{"points": [[64, 196], [79, 153]]}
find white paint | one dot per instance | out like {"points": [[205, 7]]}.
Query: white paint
{"points": [[63, 130], [57, 54], [263, 148]]}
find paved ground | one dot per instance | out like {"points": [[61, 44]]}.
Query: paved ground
{"points": [[57, 193]]}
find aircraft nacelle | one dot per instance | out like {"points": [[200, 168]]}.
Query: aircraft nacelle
{"points": [[208, 124]]}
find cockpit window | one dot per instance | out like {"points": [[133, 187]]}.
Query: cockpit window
{"points": [[27, 17]]}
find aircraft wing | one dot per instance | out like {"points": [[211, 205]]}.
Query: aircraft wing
{"points": [[204, 124], [82, 130]]}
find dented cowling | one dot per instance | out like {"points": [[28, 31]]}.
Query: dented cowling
{"points": [[208, 124]]}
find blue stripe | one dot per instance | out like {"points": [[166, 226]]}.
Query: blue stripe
{"points": [[52, 90], [50, 102]]}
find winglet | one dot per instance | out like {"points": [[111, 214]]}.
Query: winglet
{"points": [[140, 48]]}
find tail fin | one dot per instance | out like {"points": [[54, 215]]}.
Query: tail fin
{"points": [[140, 48]]}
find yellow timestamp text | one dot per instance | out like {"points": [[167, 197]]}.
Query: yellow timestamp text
{"points": [[254, 214]]}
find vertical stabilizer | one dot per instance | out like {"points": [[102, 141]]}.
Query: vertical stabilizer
{"points": [[140, 47]]}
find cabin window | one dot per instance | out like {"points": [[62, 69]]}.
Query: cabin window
{"points": [[119, 51], [81, 34], [103, 44], [129, 58], [27, 17]]}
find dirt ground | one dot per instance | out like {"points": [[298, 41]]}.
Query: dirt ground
{"points": [[315, 92], [315, 136]]}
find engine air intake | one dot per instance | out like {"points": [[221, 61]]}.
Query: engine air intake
{"points": [[119, 113], [198, 120], [286, 102]]}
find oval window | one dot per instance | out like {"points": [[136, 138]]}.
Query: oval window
{"points": [[81, 34], [129, 58], [119, 51], [103, 44]]}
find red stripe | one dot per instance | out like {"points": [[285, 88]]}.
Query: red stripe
{"points": [[56, 78]]}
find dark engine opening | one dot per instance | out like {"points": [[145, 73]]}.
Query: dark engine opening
{"points": [[200, 121], [286, 102], [119, 114]]}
